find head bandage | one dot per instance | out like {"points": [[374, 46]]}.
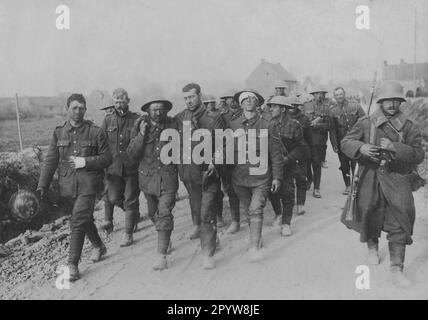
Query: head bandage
{"points": [[245, 95]]}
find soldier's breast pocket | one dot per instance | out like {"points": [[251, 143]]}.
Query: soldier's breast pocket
{"points": [[63, 146], [112, 133], [88, 148]]}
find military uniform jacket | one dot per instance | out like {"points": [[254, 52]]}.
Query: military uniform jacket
{"points": [[88, 141], [201, 118], [241, 172], [291, 134], [321, 128], [119, 131], [392, 183], [307, 131], [343, 117], [154, 176], [229, 113]]}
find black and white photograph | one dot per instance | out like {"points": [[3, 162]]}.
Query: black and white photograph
{"points": [[228, 151]]}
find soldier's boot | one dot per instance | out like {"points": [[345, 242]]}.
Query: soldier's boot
{"points": [[286, 230], [196, 233], [136, 220], [373, 252], [107, 227], [164, 237], [255, 240], [397, 252], [98, 253], [128, 239], [73, 272], [161, 262], [317, 193], [300, 209], [234, 227]]}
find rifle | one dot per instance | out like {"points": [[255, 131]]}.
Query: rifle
{"points": [[350, 206]]}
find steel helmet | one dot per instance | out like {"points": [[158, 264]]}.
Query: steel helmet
{"points": [[295, 101], [281, 84], [208, 98], [228, 94], [153, 99], [390, 90], [316, 89], [280, 100], [258, 95], [24, 205]]}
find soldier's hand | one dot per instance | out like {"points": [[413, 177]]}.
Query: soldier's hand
{"points": [[387, 144], [369, 150], [276, 185], [77, 162], [210, 170]]}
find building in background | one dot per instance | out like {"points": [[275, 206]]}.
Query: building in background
{"points": [[403, 72], [266, 74]]}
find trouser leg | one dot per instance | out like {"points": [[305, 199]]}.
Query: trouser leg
{"points": [[81, 223], [208, 232], [233, 198], [287, 196], [275, 200], [317, 176], [255, 212], [345, 167], [131, 196], [301, 183], [195, 197], [244, 195]]}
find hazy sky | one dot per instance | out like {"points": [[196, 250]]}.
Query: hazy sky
{"points": [[126, 43]]}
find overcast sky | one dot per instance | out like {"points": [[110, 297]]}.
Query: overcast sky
{"points": [[126, 43]]}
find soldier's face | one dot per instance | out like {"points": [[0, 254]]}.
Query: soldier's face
{"points": [[229, 101], [293, 110], [157, 112], [339, 95], [210, 106], [76, 111], [276, 110], [319, 96], [390, 107], [121, 102], [250, 104], [192, 99], [280, 92]]}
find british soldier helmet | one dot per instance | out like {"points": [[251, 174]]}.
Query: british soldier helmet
{"points": [[154, 99], [281, 84], [317, 89], [280, 100], [24, 205], [258, 95], [208, 98]]}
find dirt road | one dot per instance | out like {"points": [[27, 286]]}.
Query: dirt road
{"points": [[318, 261]]}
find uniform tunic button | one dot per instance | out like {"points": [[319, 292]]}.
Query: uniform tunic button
{"points": [[74, 141]]}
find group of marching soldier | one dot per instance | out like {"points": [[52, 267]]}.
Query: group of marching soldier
{"points": [[123, 157]]}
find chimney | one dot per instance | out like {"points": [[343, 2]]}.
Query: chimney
{"points": [[402, 61]]}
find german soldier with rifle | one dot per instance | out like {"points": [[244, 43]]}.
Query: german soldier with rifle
{"points": [[387, 146]]}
